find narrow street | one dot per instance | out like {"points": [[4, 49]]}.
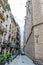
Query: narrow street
{"points": [[21, 60], [21, 32]]}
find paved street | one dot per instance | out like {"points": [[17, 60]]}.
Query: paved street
{"points": [[21, 60]]}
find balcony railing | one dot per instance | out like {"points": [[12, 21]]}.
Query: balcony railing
{"points": [[5, 41], [5, 30], [2, 12], [0, 38], [1, 27], [4, 1], [1, 9], [0, 24]]}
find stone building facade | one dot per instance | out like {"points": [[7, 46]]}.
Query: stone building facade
{"points": [[33, 30]]}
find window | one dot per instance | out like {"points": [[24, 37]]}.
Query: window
{"points": [[3, 11], [1, 21], [5, 34], [12, 32], [6, 25], [0, 6], [7, 16], [10, 26]]}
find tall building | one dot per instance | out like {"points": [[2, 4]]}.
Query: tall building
{"points": [[18, 38], [33, 30], [8, 29]]}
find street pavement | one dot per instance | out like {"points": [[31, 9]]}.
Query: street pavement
{"points": [[21, 60]]}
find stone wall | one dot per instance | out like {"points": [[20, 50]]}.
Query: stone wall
{"points": [[37, 12], [38, 38], [34, 45], [30, 47]]}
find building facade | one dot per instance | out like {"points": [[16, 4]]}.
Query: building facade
{"points": [[8, 29], [33, 31]]}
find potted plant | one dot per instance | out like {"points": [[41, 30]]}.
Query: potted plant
{"points": [[3, 59], [7, 6], [9, 56]]}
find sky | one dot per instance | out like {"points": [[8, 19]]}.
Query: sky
{"points": [[18, 9]]}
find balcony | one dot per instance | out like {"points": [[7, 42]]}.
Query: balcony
{"points": [[17, 41], [4, 41], [14, 36], [1, 9], [17, 33], [18, 36], [0, 38], [3, 2], [1, 28], [1, 13], [5, 30], [0, 24]]}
